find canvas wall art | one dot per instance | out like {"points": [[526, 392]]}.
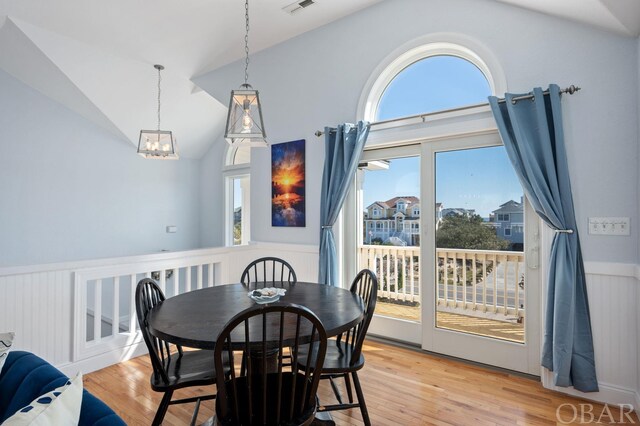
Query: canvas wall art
{"points": [[288, 184]]}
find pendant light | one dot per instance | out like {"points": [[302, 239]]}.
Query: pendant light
{"points": [[244, 122], [157, 144]]}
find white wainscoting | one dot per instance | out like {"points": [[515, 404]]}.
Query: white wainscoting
{"points": [[614, 294], [46, 305], [38, 307]]}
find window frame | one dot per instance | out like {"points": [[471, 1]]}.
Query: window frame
{"points": [[504, 217], [231, 172], [422, 48]]}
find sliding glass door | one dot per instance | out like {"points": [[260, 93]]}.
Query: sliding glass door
{"points": [[447, 230], [389, 239]]}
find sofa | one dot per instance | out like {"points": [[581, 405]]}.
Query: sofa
{"points": [[24, 377]]}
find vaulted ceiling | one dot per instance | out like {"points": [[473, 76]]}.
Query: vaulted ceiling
{"points": [[97, 58]]}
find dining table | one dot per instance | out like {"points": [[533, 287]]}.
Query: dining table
{"points": [[195, 318]]}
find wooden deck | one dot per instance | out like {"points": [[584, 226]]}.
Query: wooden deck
{"points": [[505, 330], [401, 386]]}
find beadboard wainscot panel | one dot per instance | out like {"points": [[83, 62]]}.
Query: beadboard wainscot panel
{"points": [[614, 319], [37, 306]]}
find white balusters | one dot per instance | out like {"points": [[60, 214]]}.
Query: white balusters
{"points": [[199, 277], [109, 300], [494, 295], [132, 305], [187, 276], [490, 276], [115, 323]]}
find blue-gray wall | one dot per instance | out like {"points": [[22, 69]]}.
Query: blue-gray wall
{"points": [[316, 79], [70, 191]]}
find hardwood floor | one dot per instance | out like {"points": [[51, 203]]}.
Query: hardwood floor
{"points": [[401, 386]]}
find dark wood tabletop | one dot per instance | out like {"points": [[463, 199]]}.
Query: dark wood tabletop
{"points": [[195, 319]]}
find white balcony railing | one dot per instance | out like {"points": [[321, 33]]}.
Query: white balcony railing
{"points": [[481, 281]]}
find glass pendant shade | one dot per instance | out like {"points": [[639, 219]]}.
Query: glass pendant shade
{"points": [[157, 144], [244, 122]]}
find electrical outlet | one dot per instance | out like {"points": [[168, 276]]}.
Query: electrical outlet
{"points": [[609, 226], [171, 229]]}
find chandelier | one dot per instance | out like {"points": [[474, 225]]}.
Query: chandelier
{"points": [[244, 120], [157, 144]]}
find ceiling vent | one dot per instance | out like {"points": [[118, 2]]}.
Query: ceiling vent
{"points": [[298, 6]]}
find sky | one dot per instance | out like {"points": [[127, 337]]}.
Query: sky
{"points": [[480, 179]]}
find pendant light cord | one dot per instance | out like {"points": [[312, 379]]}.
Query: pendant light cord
{"points": [[159, 79], [246, 42]]}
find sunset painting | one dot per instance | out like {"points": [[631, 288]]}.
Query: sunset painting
{"points": [[287, 184]]}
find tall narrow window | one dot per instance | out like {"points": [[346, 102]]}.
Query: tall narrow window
{"points": [[237, 188]]}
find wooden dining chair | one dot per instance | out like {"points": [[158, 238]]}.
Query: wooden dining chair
{"points": [[268, 271], [173, 368], [269, 393], [345, 357]]}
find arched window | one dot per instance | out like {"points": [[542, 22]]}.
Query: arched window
{"points": [[431, 84], [431, 77], [237, 180], [239, 155]]}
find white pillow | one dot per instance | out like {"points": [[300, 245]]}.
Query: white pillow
{"points": [[6, 340], [60, 407]]}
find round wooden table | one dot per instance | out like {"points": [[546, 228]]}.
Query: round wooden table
{"points": [[195, 319]]}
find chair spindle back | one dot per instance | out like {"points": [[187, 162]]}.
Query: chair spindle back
{"points": [[267, 270], [365, 285], [149, 295], [271, 393]]}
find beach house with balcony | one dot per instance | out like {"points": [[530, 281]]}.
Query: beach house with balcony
{"points": [[508, 221], [395, 221]]}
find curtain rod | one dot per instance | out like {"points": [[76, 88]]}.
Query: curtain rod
{"points": [[570, 90]]}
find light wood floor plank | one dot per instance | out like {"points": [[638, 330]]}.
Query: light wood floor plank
{"points": [[401, 386]]}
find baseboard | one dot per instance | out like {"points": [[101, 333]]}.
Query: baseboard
{"points": [[608, 394], [104, 360]]}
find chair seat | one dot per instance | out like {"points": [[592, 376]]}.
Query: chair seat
{"points": [[273, 389], [193, 368], [337, 360]]}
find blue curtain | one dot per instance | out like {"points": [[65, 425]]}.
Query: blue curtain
{"points": [[531, 130], [343, 148]]}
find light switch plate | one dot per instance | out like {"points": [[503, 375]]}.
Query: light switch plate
{"points": [[609, 226]]}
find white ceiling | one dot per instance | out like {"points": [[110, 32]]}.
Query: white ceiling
{"points": [[619, 16], [96, 57]]}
